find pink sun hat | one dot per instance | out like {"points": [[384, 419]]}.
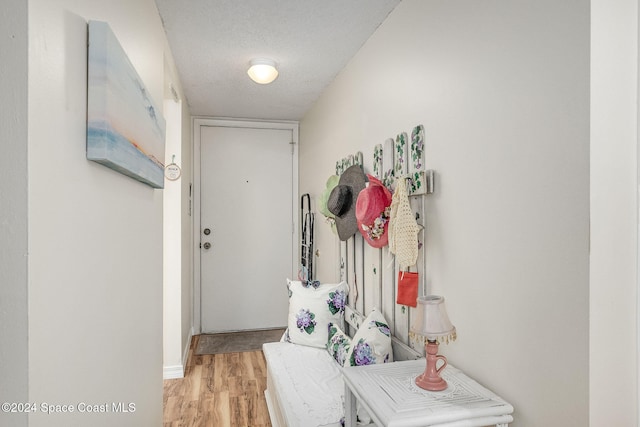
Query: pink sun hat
{"points": [[372, 213]]}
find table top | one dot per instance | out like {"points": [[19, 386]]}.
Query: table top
{"points": [[392, 398]]}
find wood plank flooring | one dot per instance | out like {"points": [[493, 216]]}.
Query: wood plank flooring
{"points": [[218, 390]]}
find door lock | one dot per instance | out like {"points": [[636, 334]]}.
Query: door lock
{"points": [[206, 245], [207, 231]]}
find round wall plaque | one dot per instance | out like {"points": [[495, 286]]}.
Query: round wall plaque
{"points": [[172, 172]]}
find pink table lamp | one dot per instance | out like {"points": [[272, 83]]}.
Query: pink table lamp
{"points": [[432, 322]]}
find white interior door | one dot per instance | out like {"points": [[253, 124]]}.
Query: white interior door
{"points": [[246, 184]]}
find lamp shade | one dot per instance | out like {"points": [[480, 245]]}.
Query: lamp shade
{"points": [[262, 70], [431, 319]]}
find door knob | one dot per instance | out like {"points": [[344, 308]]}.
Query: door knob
{"points": [[206, 245]]}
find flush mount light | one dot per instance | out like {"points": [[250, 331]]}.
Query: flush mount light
{"points": [[262, 70]]}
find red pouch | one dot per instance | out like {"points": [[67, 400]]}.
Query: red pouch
{"points": [[407, 288]]}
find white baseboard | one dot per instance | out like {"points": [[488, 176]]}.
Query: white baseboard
{"points": [[177, 371], [172, 372]]}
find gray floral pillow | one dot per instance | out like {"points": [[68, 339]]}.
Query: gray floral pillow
{"points": [[312, 309]]}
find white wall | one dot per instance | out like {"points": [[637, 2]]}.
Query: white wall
{"points": [[95, 236], [177, 226], [187, 232], [613, 371], [177, 266], [502, 88], [172, 265], [13, 208]]}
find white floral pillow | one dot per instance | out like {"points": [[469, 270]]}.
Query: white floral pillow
{"points": [[372, 342], [338, 344], [312, 309]]}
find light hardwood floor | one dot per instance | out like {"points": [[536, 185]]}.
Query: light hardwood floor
{"points": [[221, 390]]}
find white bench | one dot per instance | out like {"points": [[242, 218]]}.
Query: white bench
{"points": [[304, 384]]}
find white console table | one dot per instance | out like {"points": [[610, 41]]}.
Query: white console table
{"points": [[388, 392]]}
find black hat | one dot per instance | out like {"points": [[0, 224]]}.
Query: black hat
{"points": [[342, 200]]}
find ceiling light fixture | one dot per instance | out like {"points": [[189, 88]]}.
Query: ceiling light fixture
{"points": [[262, 70]]}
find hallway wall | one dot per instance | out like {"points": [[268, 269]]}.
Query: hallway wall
{"points": [[177, 219], [13, 208], [95, 236], [502, 89], [613, 314]]}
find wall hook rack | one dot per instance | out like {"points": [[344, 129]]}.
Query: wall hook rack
{"points": [[421, 182]]}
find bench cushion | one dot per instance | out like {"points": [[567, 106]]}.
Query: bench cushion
{"points": [[305, 383]]}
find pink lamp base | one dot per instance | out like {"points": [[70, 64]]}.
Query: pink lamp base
{"points": [[431, 384], [431, 379]]}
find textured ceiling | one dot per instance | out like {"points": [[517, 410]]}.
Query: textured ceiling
{"points": [[212, 42]]}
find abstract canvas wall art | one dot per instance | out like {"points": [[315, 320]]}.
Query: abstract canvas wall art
{"points": [[125, 130]]}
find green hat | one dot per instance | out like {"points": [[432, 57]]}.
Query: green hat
{"points": [[332, 182]]}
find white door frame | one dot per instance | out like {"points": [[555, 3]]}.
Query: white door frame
{"points": [[198, 124]]}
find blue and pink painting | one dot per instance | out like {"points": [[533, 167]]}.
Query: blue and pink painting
{"points": [[125, 130]]}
